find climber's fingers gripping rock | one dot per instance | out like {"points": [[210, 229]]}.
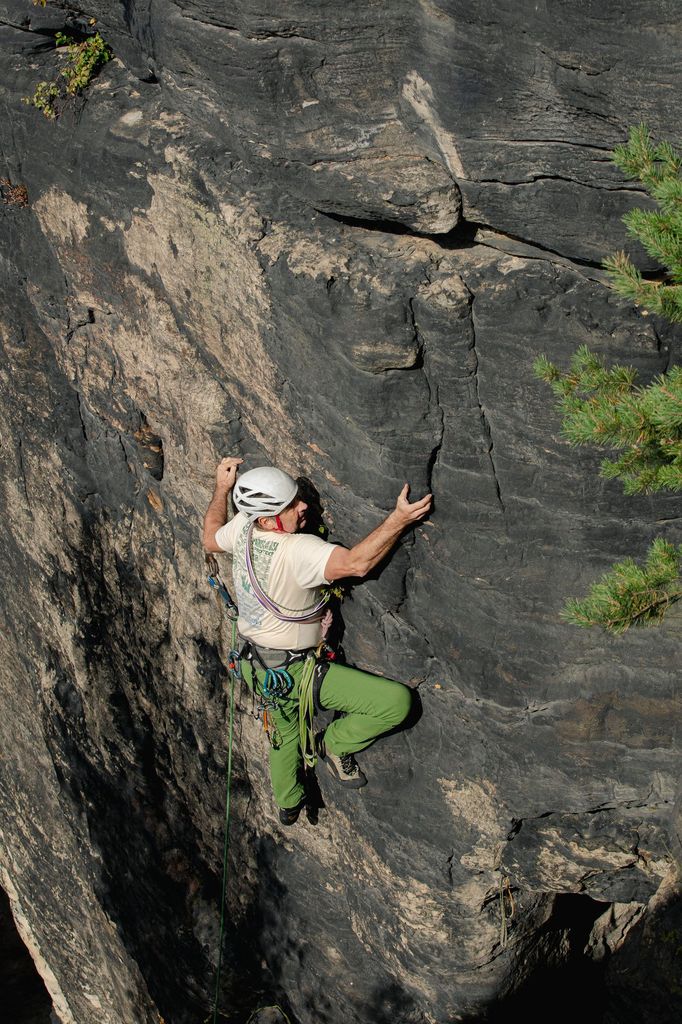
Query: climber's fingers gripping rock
{"points": [[226, 473], [412, 511]]}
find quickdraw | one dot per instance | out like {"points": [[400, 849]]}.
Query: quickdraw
{"points": [[270, 727], [218, 586]]}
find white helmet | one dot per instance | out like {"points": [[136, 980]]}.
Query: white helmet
{"points": [[265, 491]]}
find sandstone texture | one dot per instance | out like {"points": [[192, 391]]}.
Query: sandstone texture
{"points": [[332, 236]]}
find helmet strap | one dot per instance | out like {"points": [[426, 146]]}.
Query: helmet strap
{"points": [[280, 528]]}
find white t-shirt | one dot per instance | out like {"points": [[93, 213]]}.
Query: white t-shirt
{"points": [[290, 569]]}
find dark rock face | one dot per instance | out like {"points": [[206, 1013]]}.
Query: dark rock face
{"points": [[335, 238]]}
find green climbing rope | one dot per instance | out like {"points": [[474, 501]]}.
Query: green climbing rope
{"points": [[306, 714], [306, 711], [226, 843]]}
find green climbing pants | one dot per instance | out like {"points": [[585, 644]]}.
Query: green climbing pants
{"points": [[373, 706]]}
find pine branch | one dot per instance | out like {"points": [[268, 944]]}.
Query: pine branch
{"points": [[640, 158], [607, 408], [658, 167], [631, 595]]}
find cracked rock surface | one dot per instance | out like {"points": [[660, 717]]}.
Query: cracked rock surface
{"points": [[334, 237]]}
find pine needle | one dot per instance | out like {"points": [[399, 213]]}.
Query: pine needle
{"points": [[608, 408]]}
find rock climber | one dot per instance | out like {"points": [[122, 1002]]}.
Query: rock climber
{"points": [[277, 573]]}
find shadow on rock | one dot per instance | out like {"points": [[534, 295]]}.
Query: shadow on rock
{"points": [[391, 1004], [643, 977]]}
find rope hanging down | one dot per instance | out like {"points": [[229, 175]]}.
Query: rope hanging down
{"points": [[273, 683], [226, 844], [233, 668]]}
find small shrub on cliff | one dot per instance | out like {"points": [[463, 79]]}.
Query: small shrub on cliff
{"points": [[44, 99], [83, 61], [608, 408]]}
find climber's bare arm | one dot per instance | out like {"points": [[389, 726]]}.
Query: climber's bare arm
{"points": [[363, 557], [216, 514]]}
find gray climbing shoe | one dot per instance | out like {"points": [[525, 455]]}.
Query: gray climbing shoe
{"points": [[344, 769]]}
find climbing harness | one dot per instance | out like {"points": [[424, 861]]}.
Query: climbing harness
{"points": [[312, 613], [276, 686]]}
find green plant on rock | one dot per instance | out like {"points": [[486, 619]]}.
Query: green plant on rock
{"points": [[44, 99], [660, 231], [608, 408], [631, 594], [83, 61]]}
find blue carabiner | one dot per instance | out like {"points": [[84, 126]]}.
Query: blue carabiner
{"points": [[277, 683], [217, 584], [234, 663]]}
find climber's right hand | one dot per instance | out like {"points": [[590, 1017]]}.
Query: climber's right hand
{"points": [[410, 512], [226, 473]]}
